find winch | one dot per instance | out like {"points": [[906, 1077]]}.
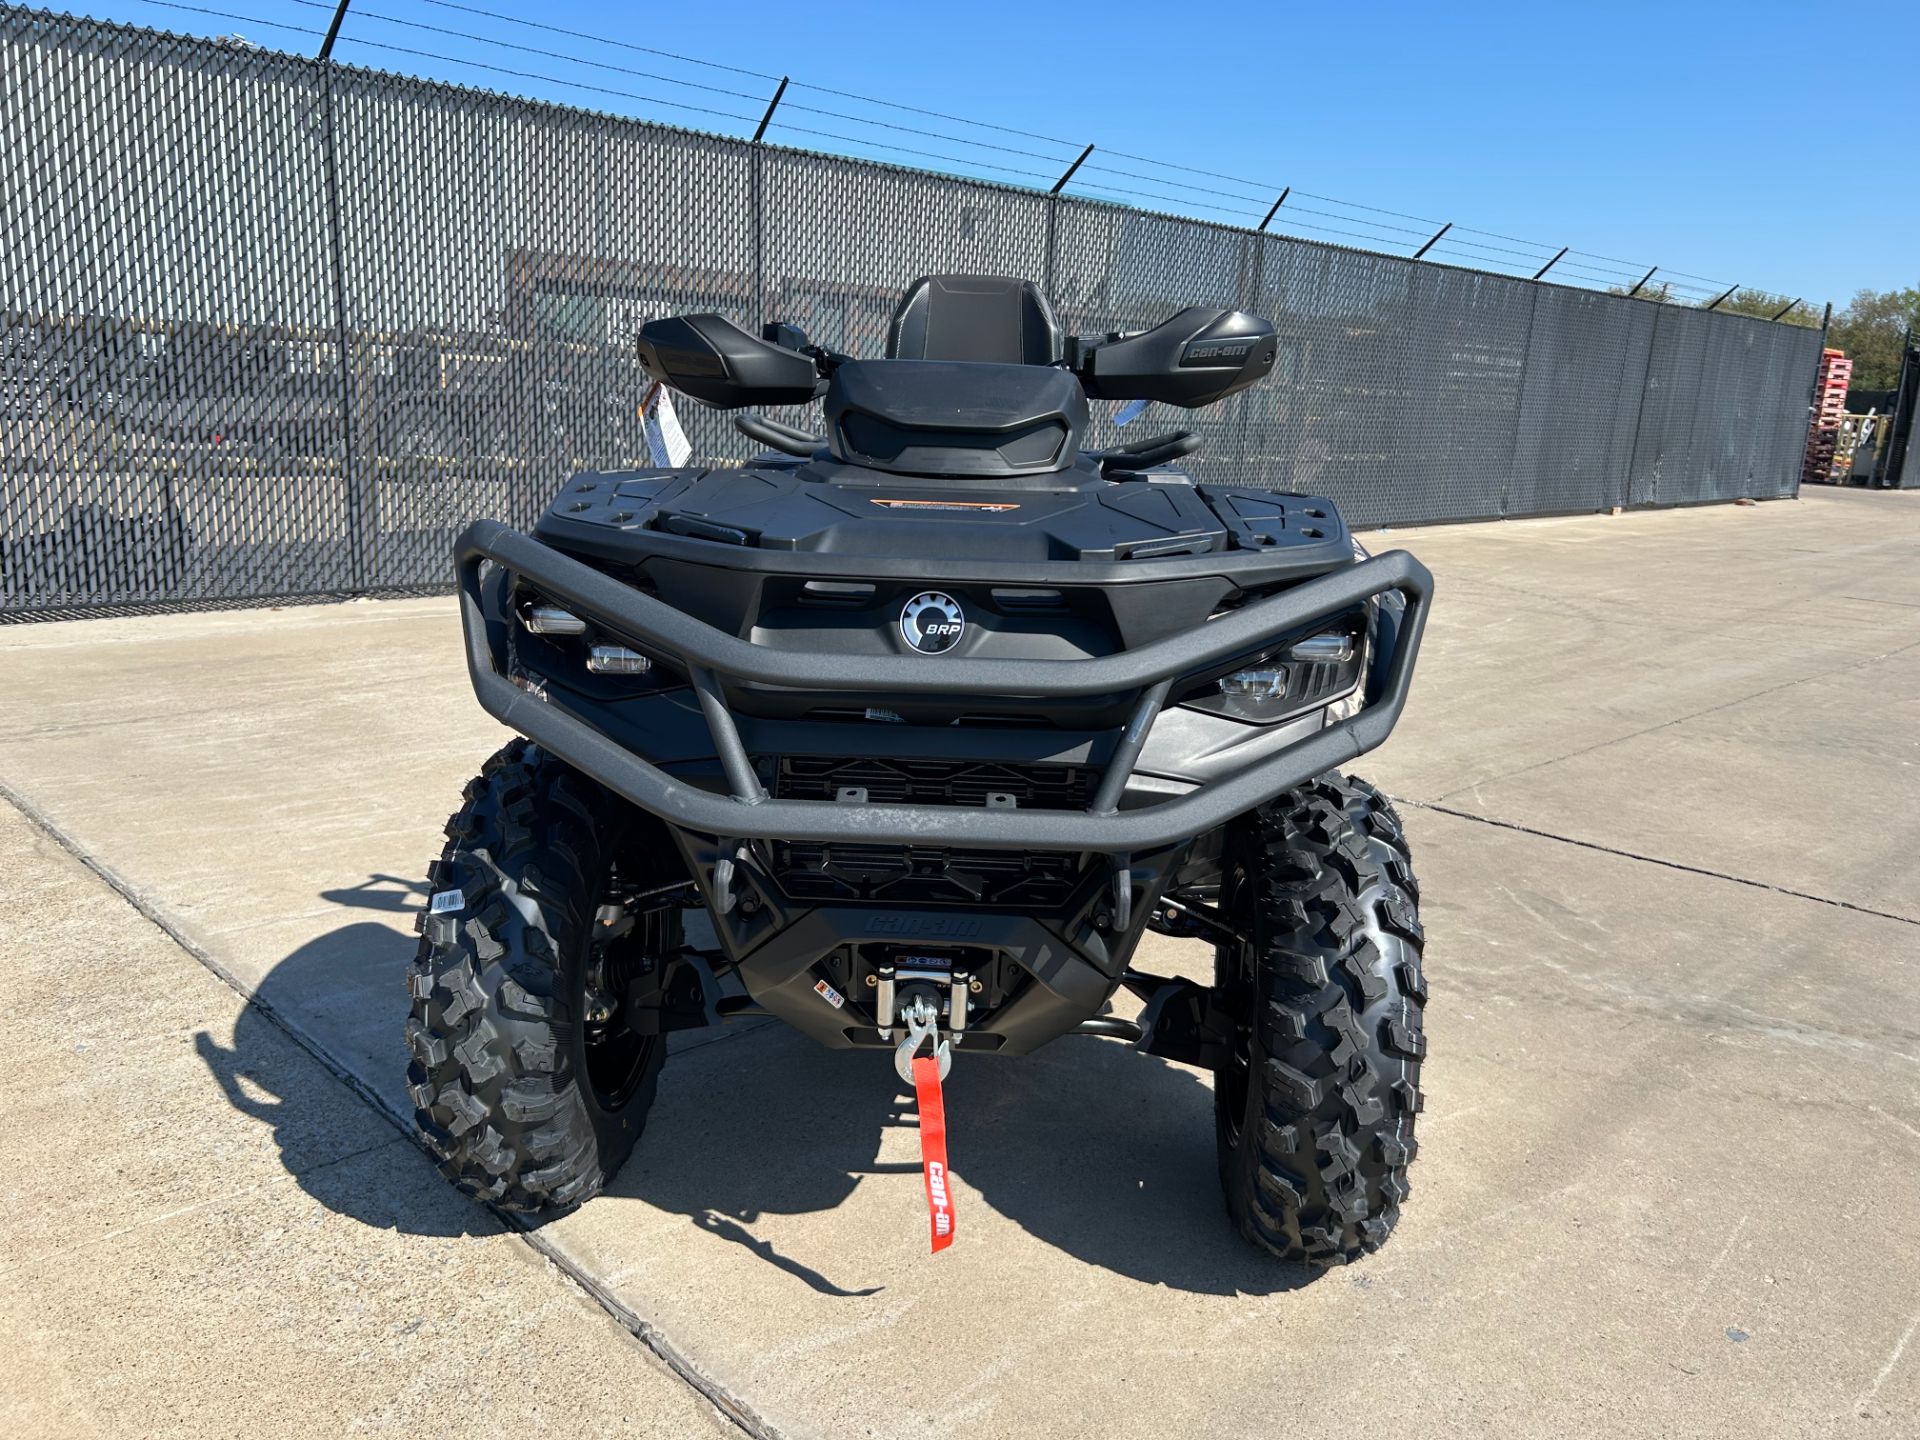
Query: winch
{"points": [[914, 992]]}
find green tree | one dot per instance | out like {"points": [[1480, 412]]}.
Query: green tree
{"points": [[1762, 303], [1872, 330]]}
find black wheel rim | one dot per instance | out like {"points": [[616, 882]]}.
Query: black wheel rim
{"points": [[617, 1060]]}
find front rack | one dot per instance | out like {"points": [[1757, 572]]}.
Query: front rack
{"points": [[1146, 675]]}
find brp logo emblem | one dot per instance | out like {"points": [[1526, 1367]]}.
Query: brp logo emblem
{"points": [[932, 622]]}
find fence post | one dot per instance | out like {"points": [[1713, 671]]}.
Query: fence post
{"points": [[756, 173], [761, 306], [1053, 219], [333, 31], [1890, 466], [1252, 278], [1898, 455], [361, 517], [772, 105], [1813, 397], [1433, 240], [1640, 412], [1051, 276], [1520, 403], [1061, 183]]}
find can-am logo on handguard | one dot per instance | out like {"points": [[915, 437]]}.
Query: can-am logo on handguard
{"points": [[932, 622]]}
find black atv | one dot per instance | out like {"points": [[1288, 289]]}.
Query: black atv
{"points": [[932, 717]]}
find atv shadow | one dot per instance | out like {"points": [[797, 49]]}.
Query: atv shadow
{"points": [[1095, 1149], [393, 894], [1104, 1153], [338, 993]]}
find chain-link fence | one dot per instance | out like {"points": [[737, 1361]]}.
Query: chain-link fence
{"points": [[270, 327]]}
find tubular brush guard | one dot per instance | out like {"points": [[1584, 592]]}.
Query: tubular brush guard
{"points": [[713, 658]]}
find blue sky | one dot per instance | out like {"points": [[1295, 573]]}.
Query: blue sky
{"points": [[1756, 142]]}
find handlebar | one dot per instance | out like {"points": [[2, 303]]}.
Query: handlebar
{"points": [[788, 439]]}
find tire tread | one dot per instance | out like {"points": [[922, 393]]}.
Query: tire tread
{"points": [[495, 1094], [1319, 1173]]}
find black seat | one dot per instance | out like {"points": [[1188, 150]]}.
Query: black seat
{"points": [[991, 318]]}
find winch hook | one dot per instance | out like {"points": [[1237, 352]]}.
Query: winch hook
{"points": [[922, 1019]]}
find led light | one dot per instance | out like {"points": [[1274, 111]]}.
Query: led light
{"points": [[1255, 684], [552, 620], [617, 660], [1332, 646]]}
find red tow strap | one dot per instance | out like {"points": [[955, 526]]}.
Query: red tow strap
{"points": [[933, 1148]]}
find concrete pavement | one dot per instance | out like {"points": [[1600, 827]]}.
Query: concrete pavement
{"points": [[208, 1234], [1662, 774]]}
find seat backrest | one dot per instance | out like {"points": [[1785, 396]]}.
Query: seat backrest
{"points": [[990, 318]]}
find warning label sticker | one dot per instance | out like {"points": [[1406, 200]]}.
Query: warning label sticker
{"points": [[832, 996]]}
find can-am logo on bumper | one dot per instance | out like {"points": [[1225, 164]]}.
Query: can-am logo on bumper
{"points": [[932, 622]]}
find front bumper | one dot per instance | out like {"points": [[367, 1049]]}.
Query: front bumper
{"points": [[1143, 676]]}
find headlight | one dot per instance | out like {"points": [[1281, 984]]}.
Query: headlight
{"points": [[617, 660], [1254, 684], [552, 620], [1296, 677], [1334, 646], [553, 644]]}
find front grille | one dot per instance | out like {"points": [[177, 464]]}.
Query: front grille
{"points": [[893, 875], [935, 782]]}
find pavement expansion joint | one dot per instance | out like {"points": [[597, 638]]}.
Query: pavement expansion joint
{"points": [[1654, 860], [728, 1404]]}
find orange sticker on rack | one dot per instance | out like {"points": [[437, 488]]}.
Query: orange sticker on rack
{"points": [[991, 506]]}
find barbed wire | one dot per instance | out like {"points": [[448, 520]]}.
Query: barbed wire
{"points": [[1250, 202]]}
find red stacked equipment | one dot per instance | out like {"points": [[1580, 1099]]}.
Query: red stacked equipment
{"points": [[1829, 404]]}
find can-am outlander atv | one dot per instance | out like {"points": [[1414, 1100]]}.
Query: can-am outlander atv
{"points": [[933, 716]]}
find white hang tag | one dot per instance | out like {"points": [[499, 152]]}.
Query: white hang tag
{"points": [[667, 443]]}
